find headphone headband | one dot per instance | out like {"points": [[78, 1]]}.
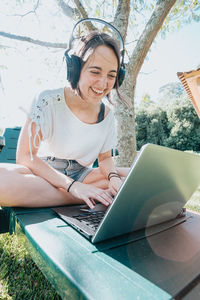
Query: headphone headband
{"points": [[99, 21]]}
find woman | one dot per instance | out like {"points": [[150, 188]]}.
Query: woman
{"points": [[78, 128]]}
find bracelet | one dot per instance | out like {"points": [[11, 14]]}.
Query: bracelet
{"points": [[70, 185], [113, 174], [117, 176]]}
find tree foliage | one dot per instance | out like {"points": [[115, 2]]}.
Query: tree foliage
{"points": [[173, 124], [184, 126], [151, 125]]}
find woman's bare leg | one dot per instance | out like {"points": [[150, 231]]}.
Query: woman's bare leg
{"points": [[19, 187]]}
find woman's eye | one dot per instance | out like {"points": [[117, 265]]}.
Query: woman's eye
{"points": [[112, 76]]}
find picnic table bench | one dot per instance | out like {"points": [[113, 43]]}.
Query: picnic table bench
{"points": [[157, 264]]}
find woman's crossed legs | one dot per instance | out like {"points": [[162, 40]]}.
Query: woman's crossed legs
{"points": [[20, 187]]}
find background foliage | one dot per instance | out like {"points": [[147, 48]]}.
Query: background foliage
{"points": [[171, 122]]}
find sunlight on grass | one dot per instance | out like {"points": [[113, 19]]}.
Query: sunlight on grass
{"points": [[19, 276], [194, 202]]}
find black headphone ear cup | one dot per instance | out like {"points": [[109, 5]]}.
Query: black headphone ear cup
{"points": [[121, 75], [73, 63]]}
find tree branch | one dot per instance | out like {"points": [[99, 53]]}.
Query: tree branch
{"points": [[147, 37], [81, 9], [89, 26], [122, 17], [29, 12], [33, 41], [76, 13], [68, 11]]}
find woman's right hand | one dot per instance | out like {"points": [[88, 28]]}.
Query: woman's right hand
{"points": [[88, 193]]}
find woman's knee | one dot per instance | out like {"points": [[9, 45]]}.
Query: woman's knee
{"points": [[9, 177], [5, 183], [6, 169]]}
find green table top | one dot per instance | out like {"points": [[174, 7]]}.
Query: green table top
{"points": [[160, 266]]}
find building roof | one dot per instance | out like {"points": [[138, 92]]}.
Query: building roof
{"points": [[191, 82]]}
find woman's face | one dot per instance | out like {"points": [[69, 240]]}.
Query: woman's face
{"points": [[98, 75]]}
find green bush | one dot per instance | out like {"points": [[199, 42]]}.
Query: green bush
{"points": [[175, 125], [151, 125], [184, 127]]}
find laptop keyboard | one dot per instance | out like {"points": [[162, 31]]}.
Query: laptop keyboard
{"points": [[91, 219]]}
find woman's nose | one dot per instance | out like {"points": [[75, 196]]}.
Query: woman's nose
{"points": [[103, 81]]}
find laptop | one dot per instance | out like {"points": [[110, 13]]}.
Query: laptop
{"points": [[160, 182]]}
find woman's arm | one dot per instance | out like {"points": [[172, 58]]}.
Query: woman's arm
{"points": [[40, 168], [107, 165], [37, 165]]}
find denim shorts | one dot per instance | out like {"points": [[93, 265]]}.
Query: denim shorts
{"points": [[70, 168]]}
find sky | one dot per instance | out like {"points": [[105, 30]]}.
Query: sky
{"points": [[23, 71], [179, 52]]}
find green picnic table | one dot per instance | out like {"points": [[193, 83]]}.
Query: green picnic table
{"points": [[147, 264]]}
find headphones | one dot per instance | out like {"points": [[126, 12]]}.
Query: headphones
{"points": [[74, 62]]}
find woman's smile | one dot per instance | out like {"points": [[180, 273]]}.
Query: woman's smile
{"points": [[97, 91]]}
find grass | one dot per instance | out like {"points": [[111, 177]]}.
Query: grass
{"points": [[194, 202], [19, 276]]}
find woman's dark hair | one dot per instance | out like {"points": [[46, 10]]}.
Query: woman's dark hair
{"points": [[89, 43]]}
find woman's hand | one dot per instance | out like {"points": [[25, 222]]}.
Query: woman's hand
{"points": [[88, 193], [114, 185]]}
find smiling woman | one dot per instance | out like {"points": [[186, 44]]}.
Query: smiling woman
{"points": [[77, 127], [99, 74]]}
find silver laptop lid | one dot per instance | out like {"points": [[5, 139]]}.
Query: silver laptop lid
{"points": [[160, 182]]}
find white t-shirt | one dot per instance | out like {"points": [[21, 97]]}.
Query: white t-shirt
{"points": [[67, 137]]}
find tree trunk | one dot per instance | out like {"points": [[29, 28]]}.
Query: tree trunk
{"points": [[125, 121], [125, 115]]}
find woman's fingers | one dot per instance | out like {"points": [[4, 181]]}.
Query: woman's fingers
{"points": [[100, 195], [113, 191], [93, 202], [114, 185], [89, 202], [89, 193], [102, 200], [106, 196]]}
